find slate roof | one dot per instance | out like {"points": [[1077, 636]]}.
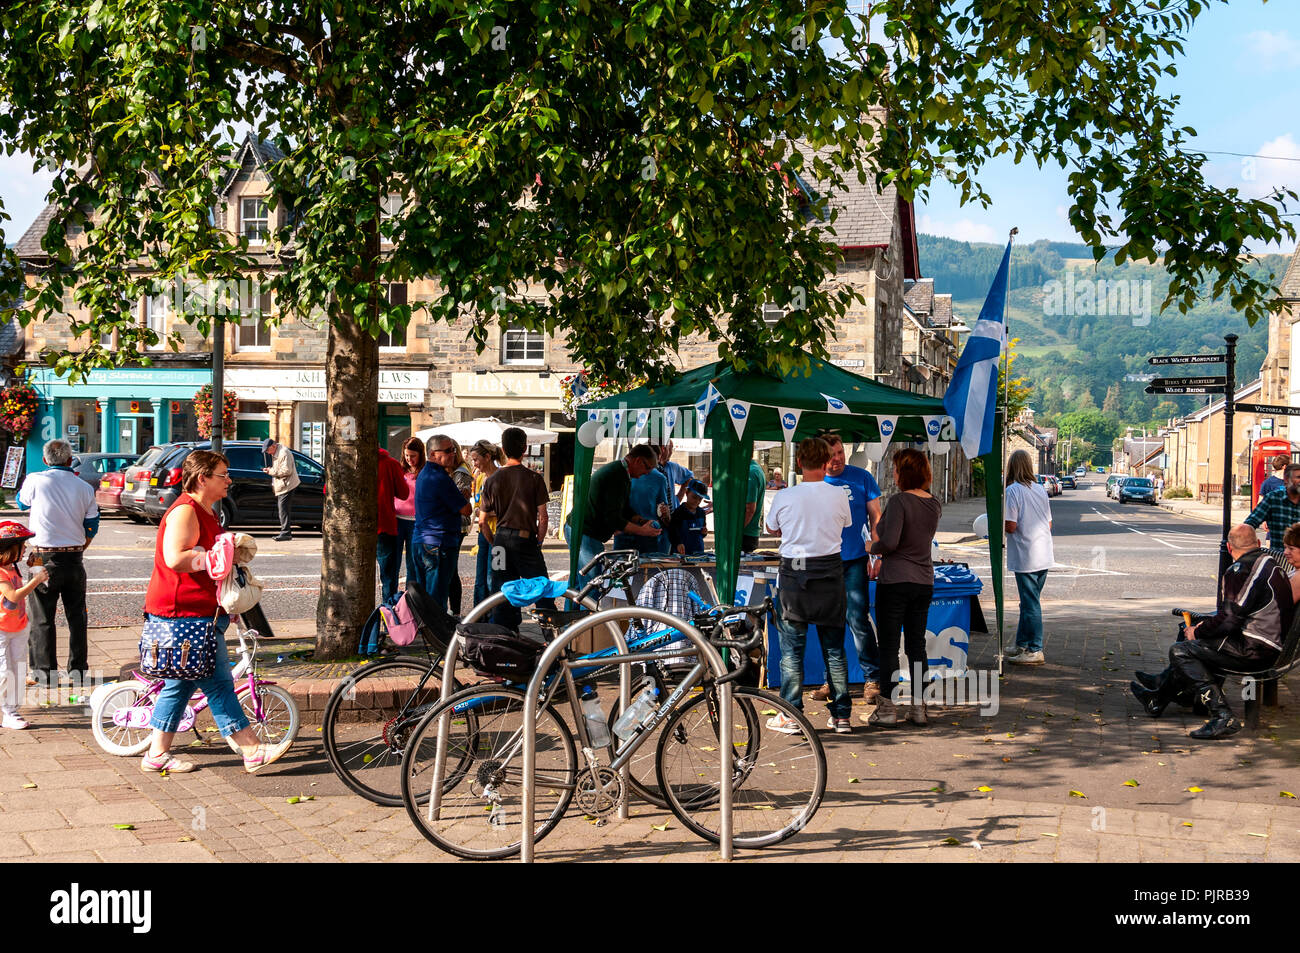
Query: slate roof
{"points": [[29, 246], [1290, 284], [942, 316], [919, 296], [866, 217]]}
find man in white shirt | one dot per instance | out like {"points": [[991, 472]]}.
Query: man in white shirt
{"points": [[810, 519], [64, 518]]}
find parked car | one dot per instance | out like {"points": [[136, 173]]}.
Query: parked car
{"points": [[1113, 483], [250, 499], [108, 495], [91, 467], [1068, 481], [1137, 490], [135, 483], [1050, 483]]}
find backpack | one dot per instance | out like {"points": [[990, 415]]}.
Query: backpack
{"points": [[499, 652], [372, 634]]}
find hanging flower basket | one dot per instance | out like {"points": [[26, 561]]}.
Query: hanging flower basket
{"points": [[584, 388], [18, 406], [203, 411]]}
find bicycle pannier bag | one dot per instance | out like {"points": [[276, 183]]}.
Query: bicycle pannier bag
{"points": [[178, 648], [499, 652]]}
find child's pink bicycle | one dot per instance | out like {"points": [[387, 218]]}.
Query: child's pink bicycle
{"points": [[120, 715]]}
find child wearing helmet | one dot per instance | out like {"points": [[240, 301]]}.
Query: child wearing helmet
{"points": [[14, 626]]}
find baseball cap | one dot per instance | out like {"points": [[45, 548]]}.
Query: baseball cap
{"points": [[267, 444]]}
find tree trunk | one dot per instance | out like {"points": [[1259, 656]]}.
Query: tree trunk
{"points": [[351, 521]]}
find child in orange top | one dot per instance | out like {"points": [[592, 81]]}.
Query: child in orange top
{"points": [[14, 626]]}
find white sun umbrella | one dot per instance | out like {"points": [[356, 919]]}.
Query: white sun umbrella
{"points": [[469, 432]]}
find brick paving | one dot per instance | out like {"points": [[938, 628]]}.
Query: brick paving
{"points": [[1056, 759]]}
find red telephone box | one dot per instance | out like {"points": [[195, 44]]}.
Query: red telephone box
{"points": [[1263, 451]]}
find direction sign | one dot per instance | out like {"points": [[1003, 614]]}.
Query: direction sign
{"points": [[1280, 410], [1220, 381], [1185, 390], [1188, 359]]}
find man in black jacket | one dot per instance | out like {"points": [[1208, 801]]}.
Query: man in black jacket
{"points": [[1244, 636]]}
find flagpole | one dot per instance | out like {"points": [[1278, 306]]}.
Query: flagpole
{"points": [[1002, 450]]}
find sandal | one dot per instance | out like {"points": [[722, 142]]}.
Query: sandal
{"points": [[157, 764], [264, 755]]}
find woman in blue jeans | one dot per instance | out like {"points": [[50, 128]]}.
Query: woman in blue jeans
{"points": [[1028, 516], [486, 458], [412, 464], [181, 591]]}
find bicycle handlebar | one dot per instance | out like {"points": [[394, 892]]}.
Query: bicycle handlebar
{"points": [[615, 556]]}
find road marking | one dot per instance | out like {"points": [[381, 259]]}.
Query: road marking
{"points": [[141, 592], [301, 575], [1157, 539]]}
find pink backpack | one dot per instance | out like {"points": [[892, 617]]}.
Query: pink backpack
{"points": [[399, 622]]}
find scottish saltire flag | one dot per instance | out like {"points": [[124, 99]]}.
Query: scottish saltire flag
{"points": [[972, 396]]}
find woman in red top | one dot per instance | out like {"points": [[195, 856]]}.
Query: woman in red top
{"points": [[181, 588]]}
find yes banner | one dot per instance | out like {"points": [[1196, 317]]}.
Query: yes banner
{"points": [[738, 411], [789, 421], [836, 406]]}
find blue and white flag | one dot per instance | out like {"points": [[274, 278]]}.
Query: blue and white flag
{"points": [[617, 420], [835, 406], [642, 418], [972, 395], [578, 388], [704, 406], [738, 411], [789, 421], [670, 422]]}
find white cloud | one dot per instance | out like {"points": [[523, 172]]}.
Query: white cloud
{"points": [[23, 191], [1267, 51], [963, 230]]}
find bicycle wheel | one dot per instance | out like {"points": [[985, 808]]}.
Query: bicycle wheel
{"points": [[279, 718], [479, 815], [125, 739], [778, 782], [368, 719]]}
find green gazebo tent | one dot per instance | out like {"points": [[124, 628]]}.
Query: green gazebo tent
{"points": [[857, 402]]}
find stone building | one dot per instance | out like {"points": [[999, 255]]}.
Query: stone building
{"points": [[430, 373]]}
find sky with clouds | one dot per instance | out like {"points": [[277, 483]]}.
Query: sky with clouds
{"points": [[1238, 88], [1237, 84]]}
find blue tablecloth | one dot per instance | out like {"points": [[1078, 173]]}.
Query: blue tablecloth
{"points": [[947, 635]]}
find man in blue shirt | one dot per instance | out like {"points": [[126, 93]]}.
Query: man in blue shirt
{"points": [[678, 476], [651, 498], [864, 506], [439, 505]]}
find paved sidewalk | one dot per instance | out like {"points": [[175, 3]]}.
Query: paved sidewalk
{"points": [[1210, 512], [1045, 778]]}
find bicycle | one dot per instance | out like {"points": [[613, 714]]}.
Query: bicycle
{"points": [[120, 716], [778, 779], [371, 713]]}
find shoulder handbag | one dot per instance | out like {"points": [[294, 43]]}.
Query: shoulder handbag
{"points": [[179, 648]]}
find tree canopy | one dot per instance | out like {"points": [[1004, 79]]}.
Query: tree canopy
{"points": [[632, 156]]}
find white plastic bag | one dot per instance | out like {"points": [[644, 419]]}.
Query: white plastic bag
{"points": [[236, 597]]}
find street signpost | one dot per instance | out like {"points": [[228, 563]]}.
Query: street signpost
{"points": [[1184, 390], [1187, 359], [1225, 385], [1276, 410]]}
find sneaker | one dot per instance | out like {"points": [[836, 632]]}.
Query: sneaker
{"points": [[822, 694], [787, 726], [917, 716], [282, 538], [266, 754], [1014, 651], [841, 726], [1028, 658], [870, 691], [15, 722]]}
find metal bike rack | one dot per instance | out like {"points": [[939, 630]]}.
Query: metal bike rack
{"points": [[480, 611], [624, 659]]}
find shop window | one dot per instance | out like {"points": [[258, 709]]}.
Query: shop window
{"points": [[772, 313], [394, 340], [255, 218], [521, 346], [254, 331]]}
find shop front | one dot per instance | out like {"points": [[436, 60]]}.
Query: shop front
{"points": [[525, 399], [289, 405], [120, 410]]}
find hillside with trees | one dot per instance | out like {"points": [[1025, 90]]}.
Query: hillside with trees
{"points": [[1086, 328]]}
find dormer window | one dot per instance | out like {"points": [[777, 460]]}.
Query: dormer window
{"points": [[255, 218]]}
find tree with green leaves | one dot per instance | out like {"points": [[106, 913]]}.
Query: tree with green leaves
{"points": [[634, 158], [1090, 425]]}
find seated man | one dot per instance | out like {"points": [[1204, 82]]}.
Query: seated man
{"points": [[1245, 635]]}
